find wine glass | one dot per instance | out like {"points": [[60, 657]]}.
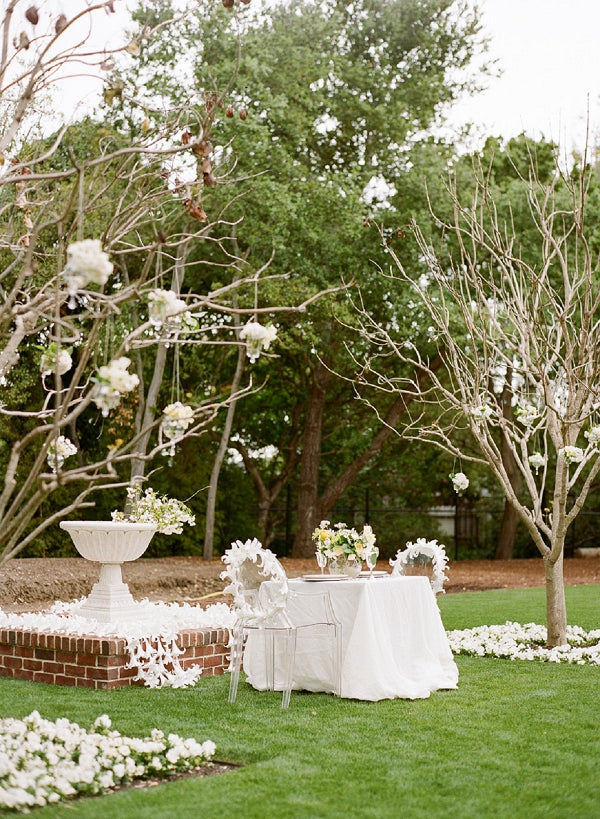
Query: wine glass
{"points": [[321, 560], [371, 558]]}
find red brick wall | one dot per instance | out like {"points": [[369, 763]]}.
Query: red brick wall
{"points": [[97, 662]]}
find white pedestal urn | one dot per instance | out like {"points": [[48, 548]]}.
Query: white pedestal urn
{"points": [[109, 543]]}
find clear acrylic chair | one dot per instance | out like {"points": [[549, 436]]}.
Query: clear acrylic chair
{"points": [[424, 557], [259, 587]]}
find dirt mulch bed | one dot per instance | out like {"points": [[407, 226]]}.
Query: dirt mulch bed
{"points": [[32, 584]]}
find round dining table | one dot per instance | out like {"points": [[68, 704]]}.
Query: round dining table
{"points": [[393, 641]]}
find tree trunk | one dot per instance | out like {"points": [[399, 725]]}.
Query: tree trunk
{"points": [[308, 483], [556, 610], [508, 528]]}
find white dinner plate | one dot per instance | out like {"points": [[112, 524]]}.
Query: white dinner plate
{"points": [[375, 574], [316, 577]]}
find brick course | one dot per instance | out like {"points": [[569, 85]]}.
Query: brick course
{"points": [[94, 662]]}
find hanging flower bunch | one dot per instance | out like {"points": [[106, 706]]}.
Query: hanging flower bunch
{"points": [[593, 436], [572, 454], [257, 338], [165, 308], [537, 461], [55, 359], [176, 419], [460, 482], [169, 514], [482, 413], [86, 263], [112, 380], [343, 542], [59, 450], [527, 415]]}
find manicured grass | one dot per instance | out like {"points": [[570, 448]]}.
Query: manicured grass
{"points": [[515, 739]]}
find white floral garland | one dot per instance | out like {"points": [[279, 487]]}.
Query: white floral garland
{"points": [[44, 762], [151, 635], [432, 549], [513, 641]]}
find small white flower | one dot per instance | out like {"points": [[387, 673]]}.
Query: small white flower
{"points": [[572, 454], [112, 380], [460, 482], [55, 360], [59, 450], [527, 415], [258, 338]]}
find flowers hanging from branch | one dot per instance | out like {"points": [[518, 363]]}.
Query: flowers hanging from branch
{"points": [[55, 360], [166, 309], [527, 415], [482, 413], [169, 514], [86, 263], [59, 450], [176, 419], [572, 454], [257, 338], [537, 461], [593, 436], [111, 381], [460, 482]]}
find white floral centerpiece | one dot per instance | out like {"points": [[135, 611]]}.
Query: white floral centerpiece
{"points": [[113, 380], [344, 549], [257, 338], [169, 514]]}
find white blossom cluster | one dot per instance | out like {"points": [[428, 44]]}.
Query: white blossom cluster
{"points": [[481, 413], [460, 482], [166, 309], [59, 450], [258, 338], [55, 360], [593, 436], [513, 641], [344, 542], [44, 762], [169, 514], [537, 461], [112, 380], [527, 415], [86, 263], [572, 454]]}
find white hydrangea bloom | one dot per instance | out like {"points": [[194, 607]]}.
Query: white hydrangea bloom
{"points": [[593, 435], [572, 454], [460, 482], [258, 338], [87, 262]]}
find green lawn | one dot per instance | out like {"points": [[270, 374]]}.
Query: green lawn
{"points": [[515, 739]]}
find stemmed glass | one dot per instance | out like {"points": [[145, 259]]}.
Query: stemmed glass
{"points": [[321, 560], [371, 559]]}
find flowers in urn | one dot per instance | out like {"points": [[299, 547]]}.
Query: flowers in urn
{"points": [[460, 482], [572, 454], [112, 380], [176, 419], [169, 514], [86, 262], [59, 450], [258, 338], [55, 359], [343, 548]]}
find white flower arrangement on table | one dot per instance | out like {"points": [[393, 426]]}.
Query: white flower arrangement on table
{"points": [[340, 541], [59, 450], [112, 380], [55, 360], [169, 514], [86, 262], [572, 454], [537, 461], [418, 552], [165, 308], [460, 482], [45, 762], [258, 338]]}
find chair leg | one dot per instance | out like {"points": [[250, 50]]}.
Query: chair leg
{"points": [[237, 647]]}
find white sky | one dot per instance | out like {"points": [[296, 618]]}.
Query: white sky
{"points": [[549, 51]]}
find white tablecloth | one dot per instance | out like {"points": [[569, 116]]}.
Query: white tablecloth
{"points": [[393, 641]]}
